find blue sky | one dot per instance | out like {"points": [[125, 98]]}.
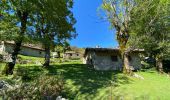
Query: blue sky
{"points": [[92, 30]]}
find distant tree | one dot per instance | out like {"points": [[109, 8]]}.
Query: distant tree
{"points": [[66, 46], [59, 49], [62, 47], [77, 49]]}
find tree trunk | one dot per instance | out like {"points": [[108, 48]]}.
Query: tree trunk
{"points": [[126, 64], [58, 53], [159, 65], [47, 56], [10, 65]]}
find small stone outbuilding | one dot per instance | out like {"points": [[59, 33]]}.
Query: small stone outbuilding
{"points": [[110, 58], [71, 55]]}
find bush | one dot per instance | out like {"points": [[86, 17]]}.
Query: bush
{"points": [[44, 88]]}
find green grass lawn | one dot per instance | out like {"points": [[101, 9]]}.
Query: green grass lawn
{"points": [[84, 83]]}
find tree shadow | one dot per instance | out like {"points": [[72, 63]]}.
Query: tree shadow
{"points": [[28, 73], [87, 79]]}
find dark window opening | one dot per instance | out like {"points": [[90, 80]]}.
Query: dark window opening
{"points": [[91, 61], [40, 52], [129, 58], [114, 58], [77, 54], [70, 54]]}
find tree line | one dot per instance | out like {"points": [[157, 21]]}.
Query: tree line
{"points": [[49, 22]]}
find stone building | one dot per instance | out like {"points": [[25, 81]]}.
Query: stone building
{"points": [[27, 50], [71, 55], [110, 59]]}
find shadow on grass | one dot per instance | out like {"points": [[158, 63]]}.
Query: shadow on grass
{"points": [[29, 73], [83, 78], [88, 80]]}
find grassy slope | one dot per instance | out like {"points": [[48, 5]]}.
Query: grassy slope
{"points": [[84, 83], [153, 87]]}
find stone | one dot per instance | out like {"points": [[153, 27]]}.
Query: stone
{"points": [[7, 58], [60, 98], [38, 63], [138, 76], [4, 85], [1, 84]]}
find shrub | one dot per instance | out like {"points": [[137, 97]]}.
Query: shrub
{"points": [[44, 88]]}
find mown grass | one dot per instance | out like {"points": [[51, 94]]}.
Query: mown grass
{"points": [[82, 82]]}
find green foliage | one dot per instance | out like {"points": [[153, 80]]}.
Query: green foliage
{"points": [[76, 49], [28, 73], [146, 66], [8, 28], [150, 27], [11, 21], [83, 82], [45, 87], [46, 21], [54, 22], [117, 13]]}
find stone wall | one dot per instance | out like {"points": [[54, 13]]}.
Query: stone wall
{"points": [[24, 51], [104, 61], [1, 48], [32, 52], [136, 61], [71, 55]]}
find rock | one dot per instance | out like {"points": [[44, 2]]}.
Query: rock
{"points": [[7, 58], [138, 76], [4, 85], [60, 98], [38, 63], [1, 84]]}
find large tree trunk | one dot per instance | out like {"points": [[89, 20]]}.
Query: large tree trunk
{"points": [[159, 65], [10, 65], [126, 64], [47, 56]]}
